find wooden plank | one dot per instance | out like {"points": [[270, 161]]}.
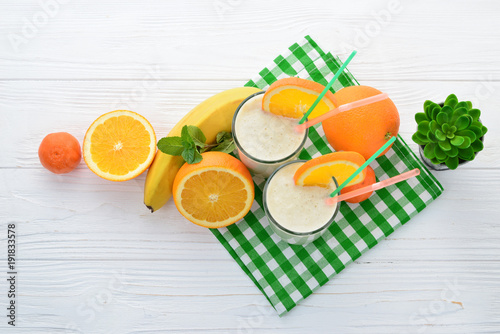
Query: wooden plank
{"points": [[425, 40], [32, 109], [91, 297], [94, 219]]}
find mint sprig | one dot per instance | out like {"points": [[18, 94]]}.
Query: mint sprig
{"points": [[192, 143]]}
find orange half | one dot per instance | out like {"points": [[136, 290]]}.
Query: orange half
{"points": [[341, 165], [216, 192], [292, 97], [119, 145]]}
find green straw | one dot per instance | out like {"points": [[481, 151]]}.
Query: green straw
{"points": [[335, 77], [363, 166]]}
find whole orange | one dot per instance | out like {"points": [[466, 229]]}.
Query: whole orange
{"points": [[364, 129], [60, 152], [369, 180]]}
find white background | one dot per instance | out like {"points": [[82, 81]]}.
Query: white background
{"points": [[92, 259]]}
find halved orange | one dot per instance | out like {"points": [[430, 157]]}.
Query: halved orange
{"points": [[292, 97], [216, 192], [119, 145], [341, 165]]}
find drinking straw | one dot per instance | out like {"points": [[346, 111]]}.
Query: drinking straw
{"points": [[363, 166], [375, 186], [328, 86], [342, 108]]}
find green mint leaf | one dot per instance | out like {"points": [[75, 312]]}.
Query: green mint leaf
{"points": [[220, 137], [171, 145], [197, 157], [227, 146], [206, 148], [223, 135], [189, 155], [187, 145], [197, 135], [186, 137]]}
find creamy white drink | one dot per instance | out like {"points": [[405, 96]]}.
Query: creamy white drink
{"points": [[298, 214], [265, 140]]}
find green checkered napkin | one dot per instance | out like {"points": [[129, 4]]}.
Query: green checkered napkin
{"points": [[287, 273]]}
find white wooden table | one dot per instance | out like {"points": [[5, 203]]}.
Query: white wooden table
{"points": [[92, 259]]}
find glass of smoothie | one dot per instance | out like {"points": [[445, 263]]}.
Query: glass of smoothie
{"points": [[297, 214], [264, 141]]}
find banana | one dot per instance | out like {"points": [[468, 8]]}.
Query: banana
{"points": [[213, 115]]}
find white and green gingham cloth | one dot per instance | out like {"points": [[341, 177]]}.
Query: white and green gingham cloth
{"points": [[285, 273]]}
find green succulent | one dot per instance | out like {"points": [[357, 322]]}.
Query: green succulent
{"points": [[449, 133]]}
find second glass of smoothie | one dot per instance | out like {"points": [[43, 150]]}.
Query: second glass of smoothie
{"points": [[297, 214], [265, 141]]}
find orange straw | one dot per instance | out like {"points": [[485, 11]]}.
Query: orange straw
{"points": [[342, 108], [375, 186]]}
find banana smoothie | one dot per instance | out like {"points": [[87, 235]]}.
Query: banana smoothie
{"points": [[298, 214], [265, 141]]}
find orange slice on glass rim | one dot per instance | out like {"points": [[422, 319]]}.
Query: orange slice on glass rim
{"points": [[216, 192], [292, 97], [119, 145], [341, 165]]}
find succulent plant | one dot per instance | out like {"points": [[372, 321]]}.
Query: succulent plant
{"points": [[450, 133]]}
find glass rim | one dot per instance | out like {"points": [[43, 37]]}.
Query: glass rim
{"points": [[240, 148], [270, 216]]}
